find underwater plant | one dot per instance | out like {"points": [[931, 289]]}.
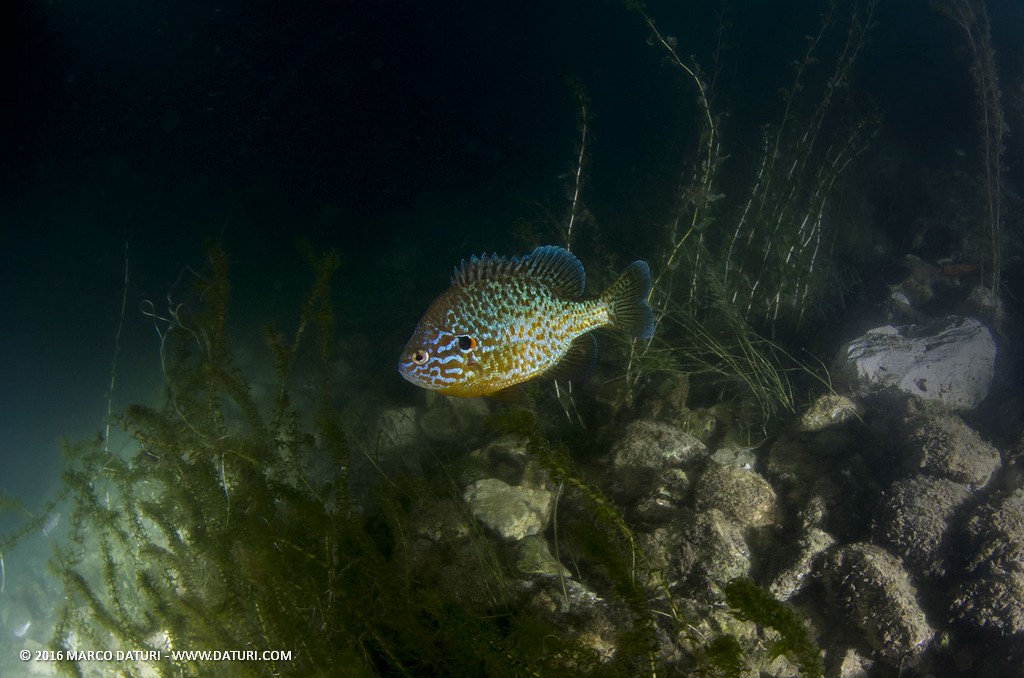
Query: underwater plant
{"points": [[776, 261], [743, 264], [972, 18], [233, 527]]}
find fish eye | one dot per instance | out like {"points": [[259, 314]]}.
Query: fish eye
{"points": [[420, 357], [466, 343]]}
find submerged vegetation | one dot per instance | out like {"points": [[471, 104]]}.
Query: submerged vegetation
{"points": [[234, 527], [768, 255], [745, 263], [971, 16]]}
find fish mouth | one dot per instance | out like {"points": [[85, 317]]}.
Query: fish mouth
{"points": [[406, 368], [407, 374]]}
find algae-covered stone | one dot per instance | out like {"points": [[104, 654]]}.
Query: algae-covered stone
{"points": [[734, 455], [439, 521], [828, 410], [792, 463], [646, 450], [741, 494], [512, 512], [396, 428], [665, 497], [871, 586], [854, 665], [535, 558], [944, 446], [797, 563], [997, 533], [452, 420], [994, 604], [707, 549], [915, 518], [588, 621]]}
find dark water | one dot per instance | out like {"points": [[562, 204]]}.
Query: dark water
{"points": [[406, 135]]}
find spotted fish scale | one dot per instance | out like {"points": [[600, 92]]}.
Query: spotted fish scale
{"points": [[505, 321]]}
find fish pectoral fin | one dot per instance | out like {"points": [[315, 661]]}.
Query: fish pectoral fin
{"points": [[578, 363]]}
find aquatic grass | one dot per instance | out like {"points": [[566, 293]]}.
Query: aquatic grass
{"points": [[971, 16], [583, 122], [741, 266], [776, 260], [688, 227], [716, 346]]}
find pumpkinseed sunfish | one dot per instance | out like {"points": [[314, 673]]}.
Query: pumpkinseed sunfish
{"points": [[506, 320]]}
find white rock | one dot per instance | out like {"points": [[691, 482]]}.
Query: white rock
{"points": [[950, 360]]}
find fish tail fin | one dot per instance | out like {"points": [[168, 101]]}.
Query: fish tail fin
{"points": [[627, 301]]}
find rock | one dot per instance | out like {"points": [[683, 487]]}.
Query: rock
{"points": [[828, 475], [951, 360], [535, 558], [915, 518], [854, 665], [663, 499], [715, 620], [646, 450], [994, 604], [996, 532], [452, 420], [590, 621], [707, 549], [741, 494], [829, 410], [792, 465], [798, 561], [988, 305], [878, 597], [781, 667], [943, 445], [512, 512], [733, 455], [439, 521], [396, 428]]}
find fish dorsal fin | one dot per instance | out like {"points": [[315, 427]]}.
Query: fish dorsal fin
{"points": [[555, 267]]}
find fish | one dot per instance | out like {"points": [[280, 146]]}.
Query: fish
{"points": [[507, 320]]}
